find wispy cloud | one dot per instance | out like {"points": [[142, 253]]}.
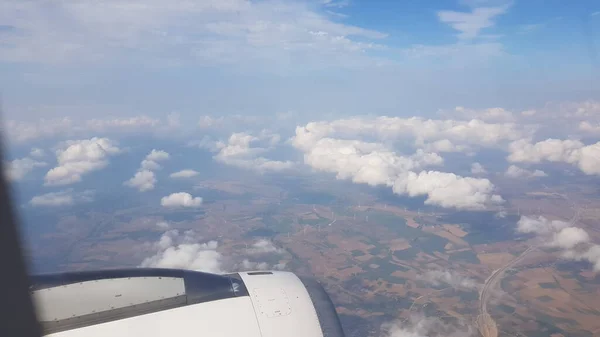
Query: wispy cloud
{"points": [[209, 32], [470, 24]]}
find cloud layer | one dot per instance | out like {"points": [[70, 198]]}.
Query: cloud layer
{"points": [[574, 152], [376, 163], [207, 32], [63, 198]]}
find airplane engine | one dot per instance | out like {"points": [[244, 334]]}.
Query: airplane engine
{"points": [[173, 302]]}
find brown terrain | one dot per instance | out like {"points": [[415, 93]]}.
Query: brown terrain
{"points": [[373, 257]]}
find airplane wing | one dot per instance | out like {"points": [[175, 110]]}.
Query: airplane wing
{"points": [[172, 302]]}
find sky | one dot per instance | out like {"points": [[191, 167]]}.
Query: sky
{"points": [[110, 103], [86, 59], [431, 99], [395, 94]]}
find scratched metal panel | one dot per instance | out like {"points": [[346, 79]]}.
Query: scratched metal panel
{"points": [[79, 299]]}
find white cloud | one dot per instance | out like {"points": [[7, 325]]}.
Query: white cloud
{"points": [[514, 171], [62, 198], [208, 32], [589, 127], [569, 237], [157, 155], [446, 277], [20, 132], [150, 162], [528, 113], [79, 157], [586, 157], [123, 124], [264, 246], [469, 24], [420, 326], [17, 169], [574, 242], [27, 131], [541, 225], [184, 174], [143, 180], [238, 151], [477, 168], [376, 164], [181, 199], [448, 190], [463, 134], [174, 250], [488, 115], [248, 265], [163, 225], [363, 162]]}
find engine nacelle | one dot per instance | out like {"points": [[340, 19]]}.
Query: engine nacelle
{"points": [[174, 302]]}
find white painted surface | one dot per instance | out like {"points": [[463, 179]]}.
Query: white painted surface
{"points": [[282, 305], [232, 317], [95, 296], [278, 306]]}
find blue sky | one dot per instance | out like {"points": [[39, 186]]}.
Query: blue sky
{"points": [[264, 57], [451, 103]]}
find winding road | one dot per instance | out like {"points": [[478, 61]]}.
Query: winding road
{"points": [[486, 325]]}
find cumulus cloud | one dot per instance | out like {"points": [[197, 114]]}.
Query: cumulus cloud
{"points": [[462, 134], [238, 151], [177, 250], [586, 157], [514, 171], [184, 174], [569, 237], [448, 190], [376, 164], [62, 198], [446, 277], [247, 265], [540, 225], [573, 242], [79, 157], [17, 169], [264, 246], [477, 168], [152, 159], [181, 199], [143, 180], [420, 326]]}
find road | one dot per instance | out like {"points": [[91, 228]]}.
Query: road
{"points": [[485, 323]]}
